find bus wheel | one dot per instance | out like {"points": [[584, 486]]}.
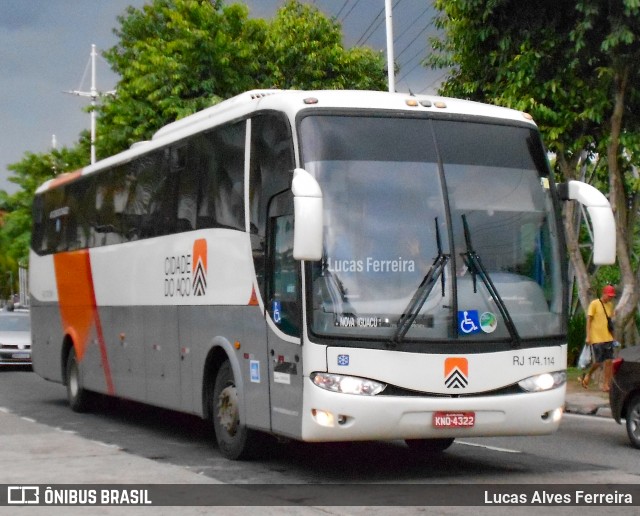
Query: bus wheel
{"points": [[78, 397], [429, 446], [235, 440]]}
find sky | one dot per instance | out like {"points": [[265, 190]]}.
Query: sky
{"points": [[46, 44]]}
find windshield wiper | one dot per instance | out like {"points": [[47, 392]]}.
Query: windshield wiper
{"points": [[422, 293], [474, 264]]}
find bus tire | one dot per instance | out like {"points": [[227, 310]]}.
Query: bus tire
{"points": [[78, 397], [429, 446], [235, 440]]}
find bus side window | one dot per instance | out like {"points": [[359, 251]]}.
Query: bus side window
{"points": [[112, 194], [270, 173], [145, 203], [188, 187], [222, 192], [37, 231], [81, 202], [284, 292], [53, 240]]}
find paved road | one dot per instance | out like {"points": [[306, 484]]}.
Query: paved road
{"points": [[130, 443]]}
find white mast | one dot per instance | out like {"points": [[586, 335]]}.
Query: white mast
{"points": [[93, 94], [390, 63]]}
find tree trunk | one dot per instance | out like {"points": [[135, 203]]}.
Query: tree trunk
{"points": [[627, 302]]}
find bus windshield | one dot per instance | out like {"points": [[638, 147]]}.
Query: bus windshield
{"points": [[406, 196]]}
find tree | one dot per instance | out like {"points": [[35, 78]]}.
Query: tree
{"points": [[303, 50], [29, 174], [569, 64], [176, 57]]}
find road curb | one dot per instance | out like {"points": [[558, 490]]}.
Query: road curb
{"points": [[600, 410]]}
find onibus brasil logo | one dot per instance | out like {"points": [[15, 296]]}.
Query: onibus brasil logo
{"points": [[185, 275]]}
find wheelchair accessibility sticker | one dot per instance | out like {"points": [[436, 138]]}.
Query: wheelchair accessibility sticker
{"points": [[470, 322]]}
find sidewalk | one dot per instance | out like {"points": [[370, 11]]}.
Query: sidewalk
{"points": [[589, 403]]}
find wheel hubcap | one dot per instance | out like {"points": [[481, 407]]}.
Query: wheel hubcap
{"points": [[228, 409]]}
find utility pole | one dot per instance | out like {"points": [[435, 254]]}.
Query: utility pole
{"points": [[390, 64], [93, 94]]}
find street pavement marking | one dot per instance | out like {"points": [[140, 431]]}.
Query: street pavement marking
{"points": [[494, 448]]}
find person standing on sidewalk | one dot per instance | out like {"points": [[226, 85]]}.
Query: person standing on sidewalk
{"points": [[600, 335]]}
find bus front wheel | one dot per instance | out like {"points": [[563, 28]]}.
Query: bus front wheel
{"points": [[234, 439], [78, 397], [429, 446]]}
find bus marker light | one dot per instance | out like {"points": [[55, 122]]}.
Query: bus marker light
{"points": [[310, 100], [426, 103], [411, 102], [236, 344], [440, 104]]}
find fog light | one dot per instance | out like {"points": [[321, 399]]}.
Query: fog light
{"points": [[323, 418]]}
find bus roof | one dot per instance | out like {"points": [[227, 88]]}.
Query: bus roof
{"points": [[290, 102]]}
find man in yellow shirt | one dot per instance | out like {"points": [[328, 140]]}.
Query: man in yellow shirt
{"points": [[600, 335]]}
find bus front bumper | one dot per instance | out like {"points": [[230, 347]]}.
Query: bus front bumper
{"points": [[329, 416]]}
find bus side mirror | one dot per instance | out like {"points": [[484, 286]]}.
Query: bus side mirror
{"points": [[308, 225], [601, 215]]}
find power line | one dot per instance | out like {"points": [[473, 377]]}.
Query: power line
{"points": [[362, 38], [415, 38], [350, 10], [342, 9], [406, 30]]}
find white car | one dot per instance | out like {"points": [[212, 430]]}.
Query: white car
{"points": [[15, 338]]}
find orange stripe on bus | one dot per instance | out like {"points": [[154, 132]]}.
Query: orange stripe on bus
{"points": [[78, 308], [64, 178]]}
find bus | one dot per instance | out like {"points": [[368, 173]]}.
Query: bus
{"points": [[319, 266]]}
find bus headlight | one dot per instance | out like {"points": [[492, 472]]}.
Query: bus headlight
{"points": [[543, 382], [347, 384]]}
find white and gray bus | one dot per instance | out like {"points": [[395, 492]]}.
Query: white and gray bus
{"points": [[321, 266]]}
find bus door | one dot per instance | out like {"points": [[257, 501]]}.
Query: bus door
{"points": [[284, 318]]}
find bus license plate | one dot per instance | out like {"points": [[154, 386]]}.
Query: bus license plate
{"points": [[454, 419]]}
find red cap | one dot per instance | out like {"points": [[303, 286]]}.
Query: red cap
{"points": [[608, 290]]}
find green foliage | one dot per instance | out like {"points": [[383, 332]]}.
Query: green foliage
{"points": [[576, 337], [303, 50], [29, 174], [176, 57], [573, 66]]}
